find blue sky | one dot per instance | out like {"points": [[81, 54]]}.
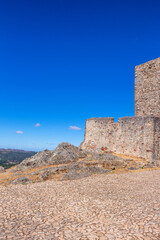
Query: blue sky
{"points": [[67, 60]]}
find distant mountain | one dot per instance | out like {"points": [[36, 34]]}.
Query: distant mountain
{"points": [[11, 157]]}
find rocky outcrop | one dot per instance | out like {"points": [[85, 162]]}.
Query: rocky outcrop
{"points": [[2, 169], [68, 162], [22, 180], [63, 154]]}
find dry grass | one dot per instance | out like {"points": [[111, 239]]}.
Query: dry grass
{"points": [[129, 157], [9, 176]]}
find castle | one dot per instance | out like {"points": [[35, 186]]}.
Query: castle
{"points": [[137, 136]]}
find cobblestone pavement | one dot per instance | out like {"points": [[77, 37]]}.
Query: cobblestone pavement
{"points": [[116, 206]]}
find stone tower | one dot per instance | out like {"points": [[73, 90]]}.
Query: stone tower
{"points": [[147, 89], [137, 136]]}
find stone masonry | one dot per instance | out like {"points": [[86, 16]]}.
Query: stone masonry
{"points": [[147, 88], [137, 136]]}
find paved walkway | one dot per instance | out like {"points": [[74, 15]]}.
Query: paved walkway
{"points": [[116, 206]]}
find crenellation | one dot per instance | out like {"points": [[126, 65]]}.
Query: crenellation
{"points": [[137, 136]]}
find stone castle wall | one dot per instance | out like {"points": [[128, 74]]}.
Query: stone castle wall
{"points": [[99, 133], [137, 136], [147, 88], [156, 141], [132, 136]]}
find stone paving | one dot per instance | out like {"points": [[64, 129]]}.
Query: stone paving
{"points": [[114, 207]]}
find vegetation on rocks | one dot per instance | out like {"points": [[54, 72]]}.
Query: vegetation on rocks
{"points": [[68, 162]]}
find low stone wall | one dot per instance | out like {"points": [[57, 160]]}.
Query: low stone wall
{"points": [[132, 136]]}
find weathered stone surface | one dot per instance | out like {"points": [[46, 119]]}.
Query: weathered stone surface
{"points": [[132, 136], [77, 171], [45, 175], [132, 168], [22, 180], [147, 88], [64, 153], [93, 163], [2, 169], [97, 170], [99, 207], [74, 174], [39, 159]]}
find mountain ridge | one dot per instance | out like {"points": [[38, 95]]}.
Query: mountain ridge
{"points": [[11, 157]]}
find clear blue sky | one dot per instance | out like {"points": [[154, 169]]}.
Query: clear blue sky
{"points": [[62, 61]]}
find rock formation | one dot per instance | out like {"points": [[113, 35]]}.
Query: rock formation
{"points": [[2, 169], [63, 154], [68, 162]]}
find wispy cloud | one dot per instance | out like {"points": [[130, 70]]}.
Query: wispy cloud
{"points": [[74, 128], [37, 125], [19, 132]]}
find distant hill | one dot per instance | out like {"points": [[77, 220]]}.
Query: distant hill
{"points": [[11, 157]]}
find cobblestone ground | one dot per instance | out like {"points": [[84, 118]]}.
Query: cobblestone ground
{"points": [[116, 206]]}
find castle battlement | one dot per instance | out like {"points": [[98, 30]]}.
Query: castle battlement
{"points": [[137, 136]]}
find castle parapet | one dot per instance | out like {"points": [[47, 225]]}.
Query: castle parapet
{"points": [[132, 136]]}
